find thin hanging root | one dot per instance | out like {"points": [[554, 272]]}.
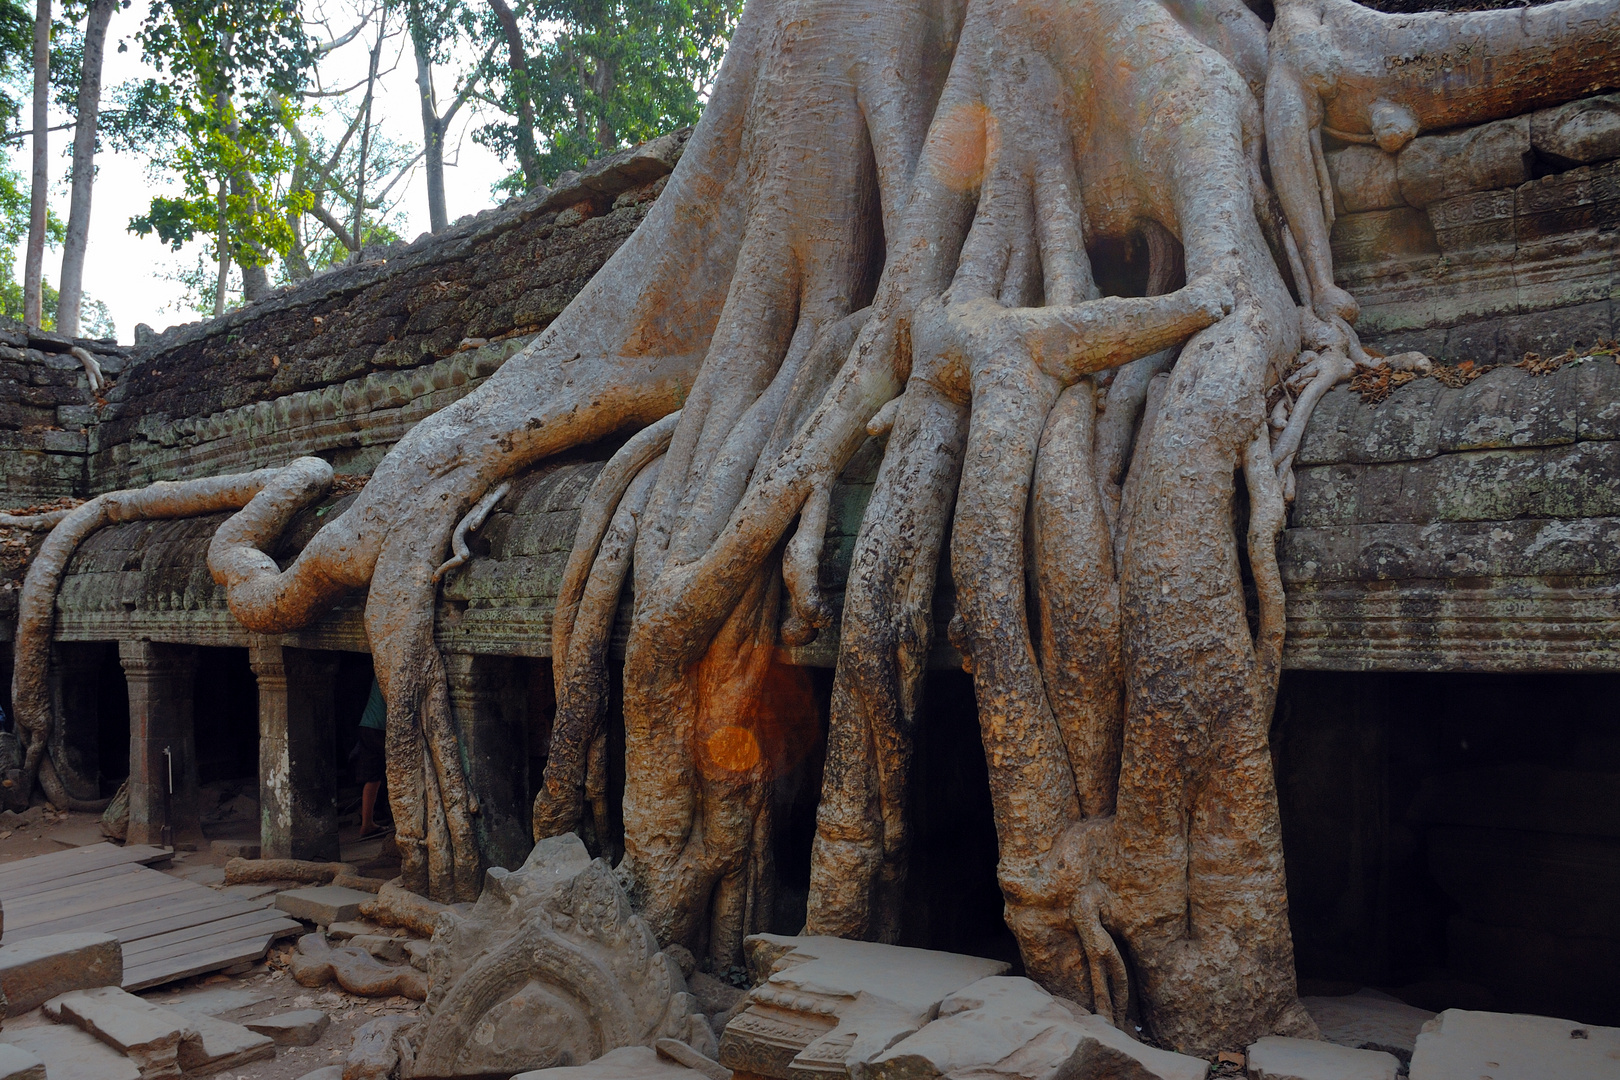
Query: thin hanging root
{"points": [[582, 675], [801, 570], [92, 368], [1325, 371], [1110, 984], [1267, 515], [597, 515], [471, 524], [36, 606]]}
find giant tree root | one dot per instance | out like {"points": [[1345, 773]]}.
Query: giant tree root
{"points": [[30, 690]]}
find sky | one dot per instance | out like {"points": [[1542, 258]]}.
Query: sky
{"points": [[127, 272]]}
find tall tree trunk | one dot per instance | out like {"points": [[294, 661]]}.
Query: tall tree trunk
{"points": [[34, 266], [528, 154], [432, 135], [84, 168], [221, 283]]}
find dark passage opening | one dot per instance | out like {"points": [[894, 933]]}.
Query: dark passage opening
{"points": [[1454, 839], [225, 710], [952, 901]]}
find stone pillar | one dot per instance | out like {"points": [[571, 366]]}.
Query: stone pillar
{"points": [[76, 701], [488, 698], [297, 766], [162, 743]]}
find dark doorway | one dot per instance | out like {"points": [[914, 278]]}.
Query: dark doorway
{"points": [[225, 710], [1454, 839]]}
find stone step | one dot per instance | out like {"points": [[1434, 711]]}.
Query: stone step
{"points": [[33, 971], [323, 905], [70, 1053], [1277, 1058], [147, 1034], [220, 1045], [1461, 1044], [625, 1063], [18, 1064], [302, 1027]]}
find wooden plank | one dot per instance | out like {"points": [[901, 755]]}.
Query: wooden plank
{"points": [[77, 860], [107, 884], [86, 882], [43, 868], [142, 976], [103, 895], [202, 936], [144, 920]]}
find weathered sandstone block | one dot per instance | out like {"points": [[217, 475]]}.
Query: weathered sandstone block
{"points": [[550, 967], [31, 972]]}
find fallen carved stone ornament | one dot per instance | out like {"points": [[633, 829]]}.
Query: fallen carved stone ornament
{"points": [[882, 235]]}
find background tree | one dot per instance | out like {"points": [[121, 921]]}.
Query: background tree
{"points": [[583, 77], [435, 27], [77, 238], [34, 260], [218, 120]]}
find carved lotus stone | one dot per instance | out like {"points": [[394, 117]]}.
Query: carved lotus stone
{"points": [[550, 968]]}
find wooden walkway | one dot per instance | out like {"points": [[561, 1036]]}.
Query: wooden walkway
{"points": [[170, 928]]}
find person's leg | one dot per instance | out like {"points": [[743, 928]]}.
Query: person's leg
{"points": [[368, 805]]}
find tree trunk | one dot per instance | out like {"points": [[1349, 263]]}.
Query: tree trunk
{"points": [[222, 281], [432, 136], [528, 154], [38, 205], [84, 169]]}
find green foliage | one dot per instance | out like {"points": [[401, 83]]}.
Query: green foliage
{"points": [[16, 58], [219, 116], [14, 213], [95, 321], [603, 74]]}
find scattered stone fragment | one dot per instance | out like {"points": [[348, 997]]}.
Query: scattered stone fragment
{"points": [[147, 1034], [417, 952], [302, 1027], [375, 1053], [1460, 1044], [326, 1072], [315, 963], [210, 1000], [1277, 1058], [71, 1054], [41, 968], [389, 949], [625, 1063], [215, 1045], [1369, 1020], [1010, 1027], [322, 905], [682, 1054], [718, 1000], [340, 931], [822, 1002], [18, 1064], [235, 849]]}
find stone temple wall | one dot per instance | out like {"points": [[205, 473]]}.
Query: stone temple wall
{"points": [[343, 365]]}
